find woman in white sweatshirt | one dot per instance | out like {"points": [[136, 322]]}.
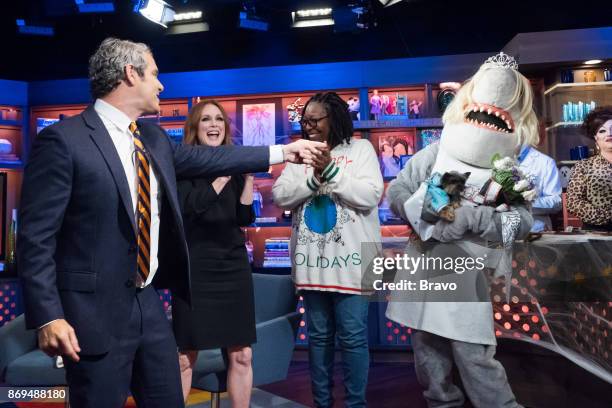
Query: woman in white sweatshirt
{"points": [[335, 207]]}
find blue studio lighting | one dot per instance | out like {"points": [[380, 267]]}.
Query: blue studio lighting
{"points": [[95, 6], [23, 28], [252, 24]]}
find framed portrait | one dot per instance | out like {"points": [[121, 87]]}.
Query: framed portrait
{"points": [[259, 121], [392, 146]]}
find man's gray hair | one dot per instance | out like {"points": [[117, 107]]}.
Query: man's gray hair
{"points": [[107, 65]]}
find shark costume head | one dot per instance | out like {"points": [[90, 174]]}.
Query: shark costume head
{"points": [[492, 113]]}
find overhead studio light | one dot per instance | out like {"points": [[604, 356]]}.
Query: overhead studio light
{"points": [[387, 3], [95, 6], [188, 16], [312, 18], [28, 29], [249, 19], [186, 22], [157, 11], [593, 62]]}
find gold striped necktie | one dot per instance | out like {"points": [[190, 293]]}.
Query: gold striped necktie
{"points": [[143, 207]]}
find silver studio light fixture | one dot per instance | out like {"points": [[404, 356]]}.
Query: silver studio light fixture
{"points": [[187, 16], [185, 22], [387, 3], [312, 18], [157, 11]]}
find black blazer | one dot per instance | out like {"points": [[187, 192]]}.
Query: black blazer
{"points": [[77, 236]]}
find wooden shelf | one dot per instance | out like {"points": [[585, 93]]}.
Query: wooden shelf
{"points": [[164, 119], [271, 224], [11, 165], [567, 162], [11, 122], [271, 270], [400, 122], [581, 86], [564, 124], [393, 222], [263, 175]]}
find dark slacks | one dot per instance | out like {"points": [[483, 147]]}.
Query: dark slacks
{"points": [[142, 360]]}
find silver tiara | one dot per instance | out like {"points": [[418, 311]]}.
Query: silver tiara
{"points": [[502, 60]]}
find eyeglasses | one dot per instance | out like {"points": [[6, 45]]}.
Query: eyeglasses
{"points": [[312, 122]]}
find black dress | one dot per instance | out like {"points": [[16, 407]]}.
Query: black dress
{"points": [[222, 286]]}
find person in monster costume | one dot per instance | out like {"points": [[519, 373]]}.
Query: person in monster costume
{"points": [[491, 116]]}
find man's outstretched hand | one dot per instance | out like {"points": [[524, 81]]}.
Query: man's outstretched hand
{"points": [[58, 339], [303, 151]]}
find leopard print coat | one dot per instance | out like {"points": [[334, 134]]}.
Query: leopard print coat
{"points": [[589, 192]]}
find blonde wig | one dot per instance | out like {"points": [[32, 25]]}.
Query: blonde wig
{"points": [[520, 106]]}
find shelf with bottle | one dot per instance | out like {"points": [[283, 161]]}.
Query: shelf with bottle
{"points": [[579, 87], [571, 124], [10, 116], [269, 247], [11, 137], [406, 107], [567, 104], [176, 110], [43, 116], [171, 111], [261, 235], [561, 140]]}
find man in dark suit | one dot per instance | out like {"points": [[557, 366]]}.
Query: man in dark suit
{"points": [[100, 222]]}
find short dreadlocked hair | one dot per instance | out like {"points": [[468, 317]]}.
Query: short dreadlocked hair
{"points": [[340, 122]]}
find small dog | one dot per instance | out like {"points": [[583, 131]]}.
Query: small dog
{"points": [[453, 183], [449, 188]]}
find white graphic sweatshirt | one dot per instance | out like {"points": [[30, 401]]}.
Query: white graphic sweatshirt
{"points": [[331, 219]]}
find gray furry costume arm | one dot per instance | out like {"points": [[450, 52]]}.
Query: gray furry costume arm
{"points": [[482, 220]]}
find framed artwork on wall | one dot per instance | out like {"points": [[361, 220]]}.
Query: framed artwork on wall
{"points": [[392, 147], [259, 121], [429, 136]]}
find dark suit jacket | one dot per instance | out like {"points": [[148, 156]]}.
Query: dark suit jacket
{"points": [[77, 237]]}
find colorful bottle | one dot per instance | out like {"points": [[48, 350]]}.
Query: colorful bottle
{"points": [[257, 201], [11, 247], [249, 245]]}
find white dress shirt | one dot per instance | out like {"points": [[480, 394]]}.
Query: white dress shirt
{"points": [[118, 126], [547, 182]]}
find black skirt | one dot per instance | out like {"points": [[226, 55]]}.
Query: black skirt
{"points": [[223, 307]]}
